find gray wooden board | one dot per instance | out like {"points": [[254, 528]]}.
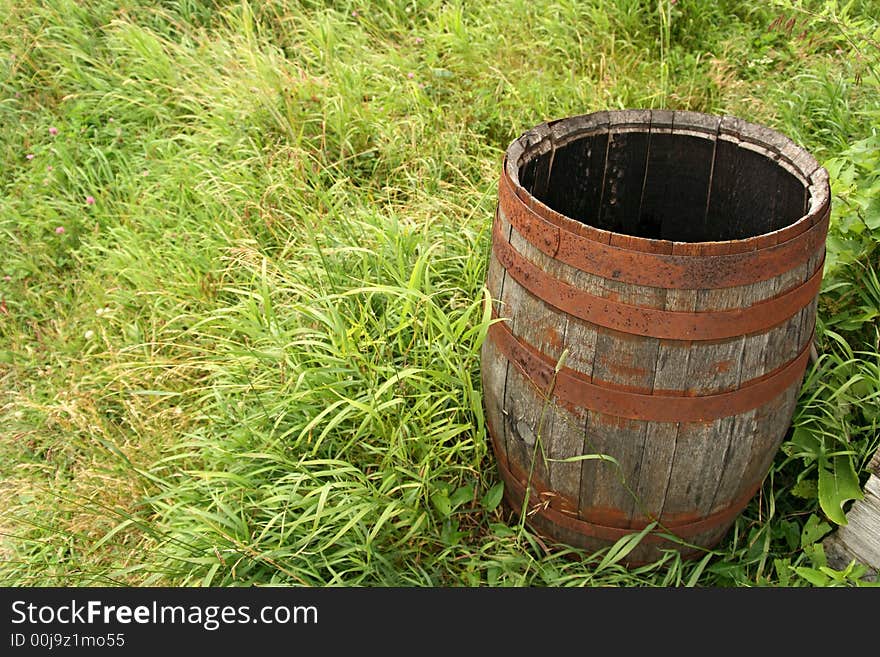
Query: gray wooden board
{"points": [[554, 333], [661, 438], [518, 404], [624, 178], [566, 445], [784, 342], [576, 187], [493, 365], [739, 204], [658, 196], [654, 472], [690, 180], [753, 433], [764, 353], [771, 422], [580, 346], [627, 361], [702, 446], [528, 426], [699, 452]]}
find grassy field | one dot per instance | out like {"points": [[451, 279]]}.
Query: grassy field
{"points": [[242, 265]]}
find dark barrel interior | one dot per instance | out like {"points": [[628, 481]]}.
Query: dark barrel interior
{"points": [[663, 185]]}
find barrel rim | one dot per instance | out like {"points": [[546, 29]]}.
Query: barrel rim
{"points": [[773, 144]]}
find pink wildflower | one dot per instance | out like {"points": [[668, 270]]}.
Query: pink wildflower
{"points": [[410, 75], [53, 131], [30, 156], [59, 230], [90, 200]]}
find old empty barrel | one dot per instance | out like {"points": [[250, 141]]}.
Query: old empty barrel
{"points": [[654, 277]]}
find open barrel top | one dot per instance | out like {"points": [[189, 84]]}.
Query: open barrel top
{"points": [[597, 190], [665, 179]]}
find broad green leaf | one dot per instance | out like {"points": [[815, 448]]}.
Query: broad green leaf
{"points": [[790, 531], [807, 489], [493, 496], [501, 530], [813, 530], [813, 576], [460, 496], [440, 500], [449, 534], [838, 483], [783, 571], [816, 554], [872, 214], [808, 444]]}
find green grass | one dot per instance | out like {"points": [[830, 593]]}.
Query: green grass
{"points": [[254, 359]]}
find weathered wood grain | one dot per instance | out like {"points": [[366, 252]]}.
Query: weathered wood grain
{"points": [[626, 361], [520, 403], [701, 446], [671, 373], [557, 428], [580, 164], [657, 202], [624, 174], [493, 365]]}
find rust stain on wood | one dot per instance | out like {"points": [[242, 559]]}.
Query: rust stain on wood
{"points": [[570, 386]]}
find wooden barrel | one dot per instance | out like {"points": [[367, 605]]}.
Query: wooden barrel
{"points": [[654, 277]]}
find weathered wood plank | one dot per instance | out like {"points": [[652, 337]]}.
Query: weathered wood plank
{"points": [[740, 206], [764, 352], [547, 329], [670, 373], [577, 184], [529, 425], [520, 408], [701, 446], [658, 198], [624, 174], [493, 365], [791, 199], [686, 220], [772, 420], [628, 362], [785, 341], [494, 368]]}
